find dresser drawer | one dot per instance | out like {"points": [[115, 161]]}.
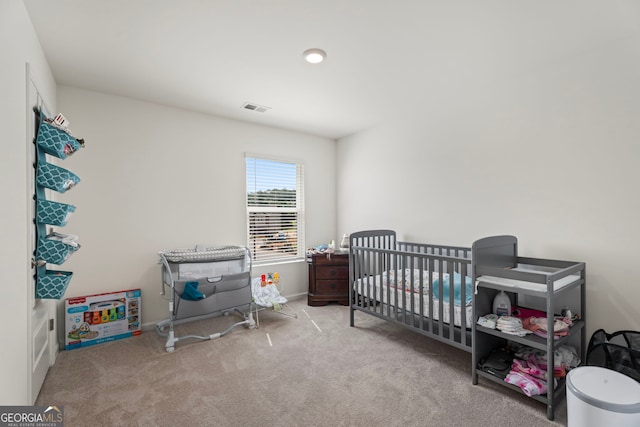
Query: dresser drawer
{"points": [[332, 272], [332, 287]]}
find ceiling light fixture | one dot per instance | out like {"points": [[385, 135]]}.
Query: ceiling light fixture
{"points": [[314, 56]]}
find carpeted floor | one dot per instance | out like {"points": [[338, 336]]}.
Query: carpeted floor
{"points": [[313, 370]]}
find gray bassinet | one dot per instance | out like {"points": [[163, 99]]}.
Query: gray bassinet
{"points": [[205, 282]]}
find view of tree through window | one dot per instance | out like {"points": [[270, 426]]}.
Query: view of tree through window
{"points": [[275, 226]]}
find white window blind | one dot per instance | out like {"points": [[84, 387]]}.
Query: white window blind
{"points": [[275, 210]]}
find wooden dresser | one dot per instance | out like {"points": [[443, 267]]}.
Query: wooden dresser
{"points": [[328, 279]]}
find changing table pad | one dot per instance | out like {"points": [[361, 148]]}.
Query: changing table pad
{"points": [[521, 284]]}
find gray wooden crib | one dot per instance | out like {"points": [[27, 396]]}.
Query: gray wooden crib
{"points": [[426, 288]]}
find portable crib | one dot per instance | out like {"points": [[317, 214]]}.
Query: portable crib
{"points": [[205, 282]]}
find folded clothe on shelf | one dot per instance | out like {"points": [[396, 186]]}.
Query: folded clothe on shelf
{"points": [[488, 320], [530, 385], [538, 325], [565, 357], [530, 366], [529, 370], [523, 312], [511, 325]]}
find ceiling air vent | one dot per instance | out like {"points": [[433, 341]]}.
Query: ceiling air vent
{"points": [[255, 107]]}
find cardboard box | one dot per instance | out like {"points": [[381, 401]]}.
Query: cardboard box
{"points": [[95, 319]]}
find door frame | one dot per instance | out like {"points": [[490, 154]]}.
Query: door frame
{"points": [[42, 347]]}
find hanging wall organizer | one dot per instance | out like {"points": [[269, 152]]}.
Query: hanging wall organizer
{"points": [[53, 138]]}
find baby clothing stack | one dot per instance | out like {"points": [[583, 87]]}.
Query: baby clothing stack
{"points": [[529, 370], [511, 325]]}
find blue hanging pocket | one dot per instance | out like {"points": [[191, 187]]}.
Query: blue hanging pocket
{"points": [[56, 178], [53, 213], [56, 141], [53, 284]]}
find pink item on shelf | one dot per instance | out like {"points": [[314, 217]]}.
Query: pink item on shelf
{"points": [[538, 325], [524, 313], [529, 367], [529, 385]]}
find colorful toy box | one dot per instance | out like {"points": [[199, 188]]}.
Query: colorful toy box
{"points": [[95, 319]]}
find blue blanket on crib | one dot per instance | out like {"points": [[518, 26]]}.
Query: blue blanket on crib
{"points": [[191, 292], [457, 285]]}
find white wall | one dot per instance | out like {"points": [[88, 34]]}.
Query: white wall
{"points": [[157, 178], [550, 156], [18, 45]]}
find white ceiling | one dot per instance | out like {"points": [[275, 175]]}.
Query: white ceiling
{"points": [[385, 57]]}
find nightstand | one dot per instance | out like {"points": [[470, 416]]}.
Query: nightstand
{"points": [[328, 279]]}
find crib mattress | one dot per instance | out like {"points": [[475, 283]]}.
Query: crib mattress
{"points": [[376, 287]]}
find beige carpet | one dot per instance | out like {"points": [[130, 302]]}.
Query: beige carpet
{"points": [[314, 370]]}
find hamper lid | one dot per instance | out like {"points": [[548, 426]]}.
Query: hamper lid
{"points": [[605, 388]]}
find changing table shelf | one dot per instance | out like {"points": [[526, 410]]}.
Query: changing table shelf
{"points": [[536, 342], [558, 393], [547, 283]]}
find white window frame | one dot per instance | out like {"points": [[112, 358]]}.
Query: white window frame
{"points": [[277, 245]]}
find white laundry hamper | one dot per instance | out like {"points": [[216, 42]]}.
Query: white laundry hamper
{"points": [[602, 397]]}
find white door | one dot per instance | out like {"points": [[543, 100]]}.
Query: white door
{"points": [[40, 357]]}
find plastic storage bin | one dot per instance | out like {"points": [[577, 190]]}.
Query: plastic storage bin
{"points": [[602, 397]]}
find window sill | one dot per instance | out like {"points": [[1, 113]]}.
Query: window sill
{"points": [[278, 262]]}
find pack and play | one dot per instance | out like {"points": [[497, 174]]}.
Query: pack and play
{"points": [[95, 319]]}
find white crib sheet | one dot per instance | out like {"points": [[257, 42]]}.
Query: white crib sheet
{"points": [[365, 287]]}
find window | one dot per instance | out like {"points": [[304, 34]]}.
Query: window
{"points": [[275, 210]]}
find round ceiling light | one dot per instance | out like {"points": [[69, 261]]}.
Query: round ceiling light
{"points": [[314, 56]]}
